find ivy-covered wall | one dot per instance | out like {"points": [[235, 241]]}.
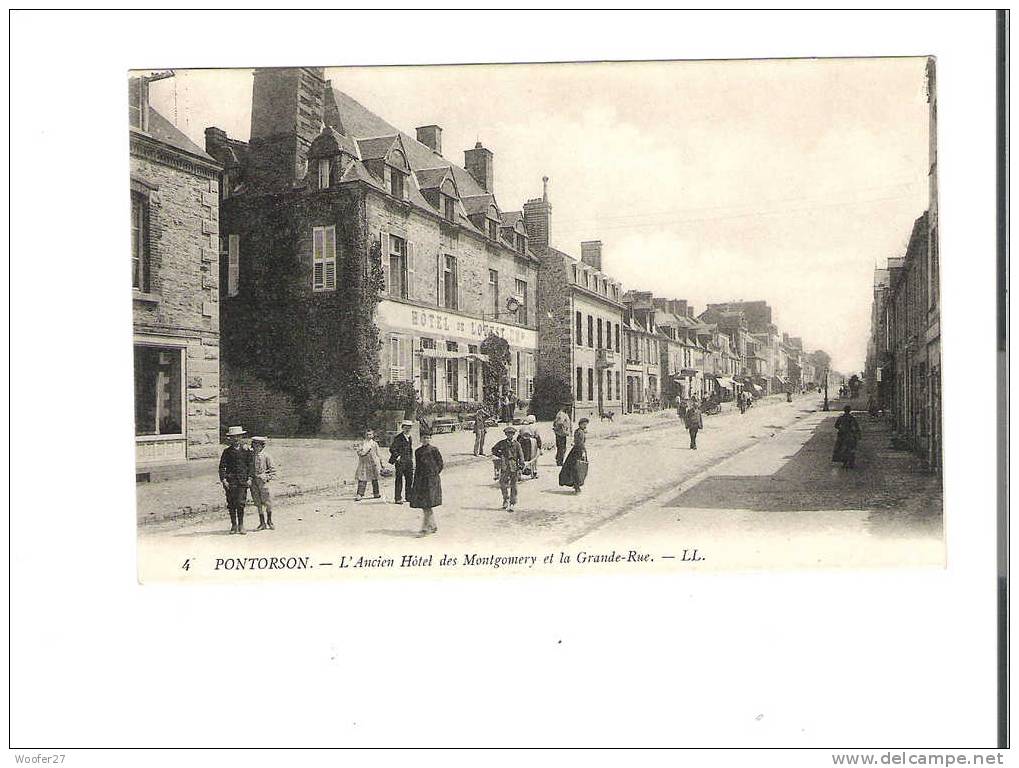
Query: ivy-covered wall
{"points": [[309, 346]]}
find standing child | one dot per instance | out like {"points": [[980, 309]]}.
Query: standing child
{"points": [[427, 491], [369, 466], [263, 471], [235, 476]]}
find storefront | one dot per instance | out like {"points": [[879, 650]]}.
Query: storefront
{"points": [[440, 352], [159, 399]]}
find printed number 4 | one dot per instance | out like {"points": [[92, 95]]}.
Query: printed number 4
{"points": [[186, 565]]}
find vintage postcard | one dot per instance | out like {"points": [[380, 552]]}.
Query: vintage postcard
{"points": [[547, 319]]}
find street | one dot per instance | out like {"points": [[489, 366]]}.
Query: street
{"points": [[759, 491]]}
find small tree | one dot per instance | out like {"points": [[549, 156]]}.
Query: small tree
{"points": [[494, 372], [550, 393]]}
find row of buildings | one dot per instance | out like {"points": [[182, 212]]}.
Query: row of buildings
{"points": [[273, 277], [903, 369]]}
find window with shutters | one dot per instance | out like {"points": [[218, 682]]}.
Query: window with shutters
{"points": [[618, 390], [324, 258], [590, 331], [400, 356], [233, 264], [452, 380], [450, 283], [608, 384], [590, 383], [139, 241], [580, 329], [599, 334], [398, 267], [522, 294], [617, 337]]}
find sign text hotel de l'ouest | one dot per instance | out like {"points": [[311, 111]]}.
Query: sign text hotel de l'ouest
{"points": [[418, 320]]}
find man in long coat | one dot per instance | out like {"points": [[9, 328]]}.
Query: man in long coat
{"points": [[569, 475], [694, 423], [849, 435], [401, 456], [480, 428], [562, 427]]}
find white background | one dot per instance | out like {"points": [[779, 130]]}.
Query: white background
{"points": [[834, 659]]}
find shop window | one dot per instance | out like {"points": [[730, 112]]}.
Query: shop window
{"points": [[139, 241], [158, 393], [452, 380]]}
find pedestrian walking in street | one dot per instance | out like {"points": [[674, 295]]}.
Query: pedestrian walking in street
{"points": [[511, 458], [849, 434], [480, 428], [574, 471], [530, 442], [426, 492], [235, 476], [561, 427], [741, 402], [694, 423], [369, 466], [401, 456], [263, 472]]}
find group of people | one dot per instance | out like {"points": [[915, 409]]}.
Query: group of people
{"points": [[417, 472], [243, 468], [744, 400]]}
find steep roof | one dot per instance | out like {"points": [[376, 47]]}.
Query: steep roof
{"points": [[163, 130]]}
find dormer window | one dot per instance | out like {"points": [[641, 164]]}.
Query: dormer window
{"points": [[323, 173], [448, 208], [521, 243], [396, 183], [493, 230]]}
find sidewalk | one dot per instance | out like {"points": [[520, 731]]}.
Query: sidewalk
{"points": [[312, 465]]}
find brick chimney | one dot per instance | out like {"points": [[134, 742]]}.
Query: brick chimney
{"points": [[431, 137], [590, 253], [478, 162], [538, 220]]}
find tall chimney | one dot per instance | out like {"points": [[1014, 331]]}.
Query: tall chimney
{"points": [[431, 137], [287, 113], [538, 220], [590, 253], [478, 162]]}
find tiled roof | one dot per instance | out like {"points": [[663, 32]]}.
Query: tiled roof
{"points": [[478, 204], [163, 130], [430, 178], [376, 148], [357, 172], [510, 218], [330, 141]]}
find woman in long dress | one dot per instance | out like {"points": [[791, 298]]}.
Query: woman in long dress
{"points": [[427, 491], [568, 475], [369, 466], [849, 435]]}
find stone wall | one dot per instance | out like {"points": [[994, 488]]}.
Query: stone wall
{"points": [[181, 300]]}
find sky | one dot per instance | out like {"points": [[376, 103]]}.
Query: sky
{"points": [[782, 180]]}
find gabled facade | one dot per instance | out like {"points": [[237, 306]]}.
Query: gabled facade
{"points": [[357, 197]]}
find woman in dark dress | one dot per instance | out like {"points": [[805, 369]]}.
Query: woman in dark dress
{"points": [[427, 491], [568, 474], [849, 435]]}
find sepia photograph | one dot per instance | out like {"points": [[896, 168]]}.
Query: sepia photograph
{"points": [[544, 318]]}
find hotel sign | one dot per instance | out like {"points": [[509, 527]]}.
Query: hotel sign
{"points": [[394, 316]]}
